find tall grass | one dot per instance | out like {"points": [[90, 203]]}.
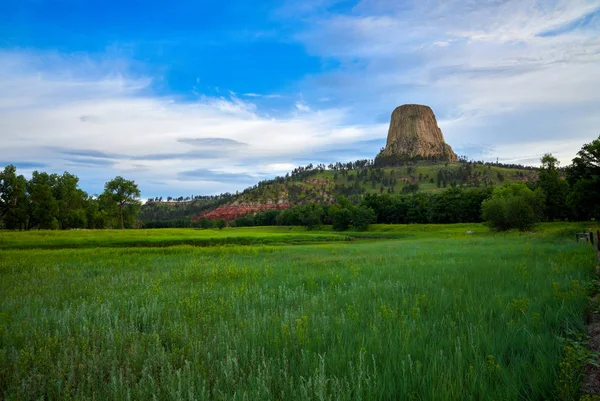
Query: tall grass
{"points": [[45, 239], [464, 318]]}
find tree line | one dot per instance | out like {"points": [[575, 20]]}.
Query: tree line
{"points": [[358, 176], [577, 197], [341, 215], [571, 193], [152, 213], [455, 205], [52, 201]]}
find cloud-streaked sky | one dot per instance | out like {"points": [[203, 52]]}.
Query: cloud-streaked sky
{"points": [[199, 97]]}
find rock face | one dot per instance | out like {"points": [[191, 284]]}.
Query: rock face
{"points": [[232, 212], [414, 134]]}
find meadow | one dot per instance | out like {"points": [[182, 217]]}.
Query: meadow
{"points": [[398, 312]]}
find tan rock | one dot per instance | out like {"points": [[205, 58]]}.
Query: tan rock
{"points": [[414, 134]]}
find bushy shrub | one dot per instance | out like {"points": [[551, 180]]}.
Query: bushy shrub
{"points": [[342, 219], [244, 221], [513, 206], [205, 223], [363, 216], [493, 211]]}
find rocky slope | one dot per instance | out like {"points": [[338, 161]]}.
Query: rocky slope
{"points": [[414, 134], [233, 211]]}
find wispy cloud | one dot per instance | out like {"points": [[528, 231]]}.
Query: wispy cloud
{"points": [[206, 175], [502, 72], [88, 162], [154, 138], [213, 142], [22, 164], [501, 76], [302, 107], [83, 153], [268, 96]]}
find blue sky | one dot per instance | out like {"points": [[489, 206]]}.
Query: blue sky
{"points": [[199, 97]]}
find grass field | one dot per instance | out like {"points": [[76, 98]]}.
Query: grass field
{"points": [[400, 312], [164, 237]]}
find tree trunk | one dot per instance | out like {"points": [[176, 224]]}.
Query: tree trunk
{"points": [[122, 221]]}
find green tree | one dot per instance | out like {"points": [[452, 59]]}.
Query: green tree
{"points": [[331, 211], [96, 217], [311, 215], [344, 202], [221, 224], [266, 218], [584, 177], [513, 206], [43, 212], [470, 207], [244, 221], [493, 211], [342, 219], [417, 207], [520, 213], [13, 198], [363, 216], [554, 187], [72, 202], [310, 220], [206, 223], [444, 206], [289, 217], [124, 194]]}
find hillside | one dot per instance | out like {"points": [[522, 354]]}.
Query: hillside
{"points": [[321, 184], [317, 184], [157, 209], [415, 159]]}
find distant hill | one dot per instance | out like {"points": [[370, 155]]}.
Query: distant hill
{"points": [[416, 158], [180, 208], [317, 184], [324, 184]]}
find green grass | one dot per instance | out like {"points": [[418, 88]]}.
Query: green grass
{"points": [[435, 314], [44, 239], [163, 237]]}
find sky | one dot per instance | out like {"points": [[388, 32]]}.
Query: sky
{"points": [[203, 97]]}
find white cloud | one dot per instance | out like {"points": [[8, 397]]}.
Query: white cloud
{"points": [[278, 168], [269, 96], [70, 120], [504, 72], [302, 107], [520, 77]]}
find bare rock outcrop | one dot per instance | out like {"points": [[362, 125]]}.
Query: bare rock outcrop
{"points": [[414, 134]]}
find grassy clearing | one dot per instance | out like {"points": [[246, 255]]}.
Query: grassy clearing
{"points": [[432, 316], [44, 239]]}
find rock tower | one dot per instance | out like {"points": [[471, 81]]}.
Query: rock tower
{"points": [[414, 134]]}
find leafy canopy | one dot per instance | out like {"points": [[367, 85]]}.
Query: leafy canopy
{"points": [[513, 206]]}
